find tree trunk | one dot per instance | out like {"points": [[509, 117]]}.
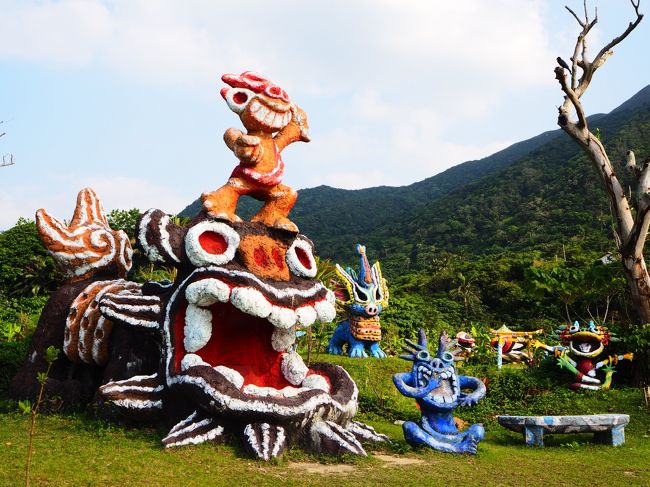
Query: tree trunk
{"points": [[638, 282]]}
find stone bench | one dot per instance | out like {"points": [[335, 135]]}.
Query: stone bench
{"points": [[607, 428]]}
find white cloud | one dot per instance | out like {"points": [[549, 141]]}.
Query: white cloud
{"points": [[391, 85], [67, 32], [58, 195]]}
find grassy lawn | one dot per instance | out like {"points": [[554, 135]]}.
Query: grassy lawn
{"points": [[75, 450]]}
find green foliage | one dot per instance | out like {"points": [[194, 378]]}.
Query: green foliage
{"points": [[636, 339], [25, 267], [19, 316], [124, 220], [581, 285], [12, 357]]}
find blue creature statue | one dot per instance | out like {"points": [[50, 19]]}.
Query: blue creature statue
{"points": [[438, 390], [363, 297]]}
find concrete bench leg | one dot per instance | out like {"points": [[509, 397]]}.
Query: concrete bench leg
{"points": [[614, 437], [534, 435]]}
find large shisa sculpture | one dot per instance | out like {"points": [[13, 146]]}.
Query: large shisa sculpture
{"points": [[362, 297], [579, 350], [213, 352], [438, 391]]}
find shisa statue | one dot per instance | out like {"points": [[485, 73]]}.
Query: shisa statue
{"points": [[362, 297], [264, 109], [513, 346], [211, 353], [438, 391], [579, 350]]}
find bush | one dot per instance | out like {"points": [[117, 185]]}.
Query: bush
{"points": [[12, 357]]}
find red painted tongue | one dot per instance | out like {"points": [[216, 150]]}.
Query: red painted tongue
{"points": [[242, 342]]}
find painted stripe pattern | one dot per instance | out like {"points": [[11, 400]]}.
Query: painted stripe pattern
{"points": [[264, 440], [160, 239], [196, 428], [88, 244], [88, 327], [141, 392]]}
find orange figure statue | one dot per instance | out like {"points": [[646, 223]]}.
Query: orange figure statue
{"points": [[264, 109]]}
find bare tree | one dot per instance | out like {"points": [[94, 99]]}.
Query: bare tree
{"points": [[8, 159], [632, 220]]}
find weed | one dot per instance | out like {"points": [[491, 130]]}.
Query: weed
{"points": [[51, 354]]}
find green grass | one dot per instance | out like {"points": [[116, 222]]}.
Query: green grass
{"points": [[75, 450]]}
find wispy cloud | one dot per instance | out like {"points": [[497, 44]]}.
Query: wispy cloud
{"points": [[393, 93]]}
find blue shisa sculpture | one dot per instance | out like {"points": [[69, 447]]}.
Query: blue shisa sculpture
{"points": [[363, 297], [438, 390]]}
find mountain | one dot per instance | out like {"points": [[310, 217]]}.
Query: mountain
{"points": [[540, 193]]}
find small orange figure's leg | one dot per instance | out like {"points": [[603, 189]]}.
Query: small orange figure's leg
{"points": [[222, 203], [278, 203]]}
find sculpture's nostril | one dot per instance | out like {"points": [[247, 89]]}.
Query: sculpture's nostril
{"points": [[371, 310]]}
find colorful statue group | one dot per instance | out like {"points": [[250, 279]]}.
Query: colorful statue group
{"points": [[212, 354], [362, 297]]}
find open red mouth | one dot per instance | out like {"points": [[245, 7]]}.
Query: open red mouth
{"points": [[246, 332], [238, 341]]}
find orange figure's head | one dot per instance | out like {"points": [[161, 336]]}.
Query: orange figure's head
{"points": [[261, 104]]}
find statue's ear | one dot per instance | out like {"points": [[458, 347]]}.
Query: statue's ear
{"points": [[160, 238]]}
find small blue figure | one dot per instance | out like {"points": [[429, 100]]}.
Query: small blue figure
{"points": [[433, 383], [363, 298]]}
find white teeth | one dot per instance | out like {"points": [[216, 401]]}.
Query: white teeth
{"points": [[250, 301], [261, 113], [254, 390], [282, 339], [316, 381], [255, 106], [288, 391], [282, 317], [231, 374], [191, 360], [207, 292], [293, 368], [306, 316], [330, 297], [325, 310], [268, 118], [198, 328]]}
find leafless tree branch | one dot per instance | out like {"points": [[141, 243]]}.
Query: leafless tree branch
{"points": [[576, 88], [7, 162]]}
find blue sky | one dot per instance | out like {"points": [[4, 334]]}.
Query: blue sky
{"points": [[123, 95]]}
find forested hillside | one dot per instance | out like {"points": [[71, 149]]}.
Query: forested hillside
{"points": [[539, 193]]}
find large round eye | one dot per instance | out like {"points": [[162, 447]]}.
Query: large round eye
{"points": [[238, 98], [300, 259], [211, 243], [423, 356], [575, 328], [448, 357], [592, 327]]}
